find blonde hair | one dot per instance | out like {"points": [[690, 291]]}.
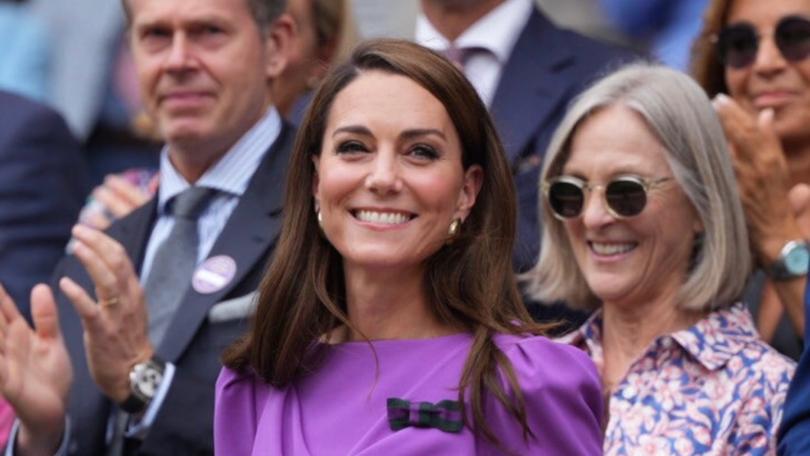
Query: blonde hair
{"points": [[678, 112]]}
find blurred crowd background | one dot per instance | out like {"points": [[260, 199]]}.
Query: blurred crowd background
{"points": [[54, 52]]}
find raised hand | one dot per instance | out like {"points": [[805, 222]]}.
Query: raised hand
{"points": [[35, 371], [800, 202], [116, 327], [775, 212], [762, 175], [113, 199]]}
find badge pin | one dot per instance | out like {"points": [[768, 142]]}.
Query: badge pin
{"points": [[213, 274]]}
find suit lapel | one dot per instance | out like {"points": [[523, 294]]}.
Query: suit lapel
{"points": [[246, 238], [134, 235], [532, 85]]}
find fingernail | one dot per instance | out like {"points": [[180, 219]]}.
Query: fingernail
{"points": [[765, 118], [720, 99], [79, 229]]}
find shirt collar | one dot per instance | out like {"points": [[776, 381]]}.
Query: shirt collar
{"points": [[712, 341], [497, 31], [719, 336], [228, 175], [588, 337]]}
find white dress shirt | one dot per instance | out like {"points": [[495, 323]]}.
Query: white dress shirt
{"points": [[497, 32]]}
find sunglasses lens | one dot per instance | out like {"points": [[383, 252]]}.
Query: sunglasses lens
{"points": [[793, 38], [566, 199], [626, 198], [737, 45]]}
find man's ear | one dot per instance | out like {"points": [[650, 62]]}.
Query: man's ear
{"points": [[278, 44]]}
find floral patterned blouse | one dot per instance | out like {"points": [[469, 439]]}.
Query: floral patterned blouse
{"points": [[715, 388]]}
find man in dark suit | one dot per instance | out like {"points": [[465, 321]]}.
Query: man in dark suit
{"points": [[146, 337], [794, 433], [43, 184], [526, 70]]}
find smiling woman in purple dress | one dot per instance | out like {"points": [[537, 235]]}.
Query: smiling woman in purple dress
{"points": [[389, 321]]}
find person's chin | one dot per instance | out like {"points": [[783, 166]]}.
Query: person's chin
{"points": [[179, 131], [608, 287]]}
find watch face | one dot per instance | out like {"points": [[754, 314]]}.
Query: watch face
{"points": [[797, 260], [148, 380]]}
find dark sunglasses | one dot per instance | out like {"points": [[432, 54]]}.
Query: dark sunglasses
{"points": [[625, 196], [737, 44]]}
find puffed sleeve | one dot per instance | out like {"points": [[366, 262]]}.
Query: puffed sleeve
{"points": [[235, 412], [563, 396]]}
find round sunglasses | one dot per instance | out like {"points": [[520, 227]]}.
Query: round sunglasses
{"points": [[625, 196], [737, 45]]}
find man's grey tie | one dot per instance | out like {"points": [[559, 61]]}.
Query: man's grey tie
{"points": [[175, 260]]}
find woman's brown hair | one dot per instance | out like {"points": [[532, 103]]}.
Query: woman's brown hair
{"points": [[707, 68], [470, 281]]}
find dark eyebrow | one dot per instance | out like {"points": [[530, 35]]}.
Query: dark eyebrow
{"points": [[356, 129], [410, 134], [407, 134]]}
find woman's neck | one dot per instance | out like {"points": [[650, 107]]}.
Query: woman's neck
{"points": [[629, 329], [390, 304]]}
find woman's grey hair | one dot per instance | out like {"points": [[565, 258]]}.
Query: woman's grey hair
{"points": [[680, 114]]}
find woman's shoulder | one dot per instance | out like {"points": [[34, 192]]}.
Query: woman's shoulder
{"points": [[762, 365], [542, 363], [240, 386], [732, 342], [562, 393]]}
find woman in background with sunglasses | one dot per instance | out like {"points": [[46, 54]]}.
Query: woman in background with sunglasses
{"points": [[643, 225], [752, 58]]}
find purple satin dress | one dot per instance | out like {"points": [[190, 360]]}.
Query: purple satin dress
{"points": [[341, 409]]}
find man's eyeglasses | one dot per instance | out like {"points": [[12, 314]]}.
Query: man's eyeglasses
{"points": [[625, 196], [738, 44]]}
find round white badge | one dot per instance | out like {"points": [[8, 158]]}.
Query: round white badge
{"points": [[213, 274]]}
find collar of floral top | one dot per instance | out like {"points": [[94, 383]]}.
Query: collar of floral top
{"points": [[712, 341]]}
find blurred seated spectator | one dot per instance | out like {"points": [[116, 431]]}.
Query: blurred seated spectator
{"points": [[668, 28], [43, 182], [325, 35], [24, 51], [752, 56], [93, 83], [526, 70]]}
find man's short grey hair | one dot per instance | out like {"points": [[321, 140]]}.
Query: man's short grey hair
{"points": [[680, 114], [264, 12]]}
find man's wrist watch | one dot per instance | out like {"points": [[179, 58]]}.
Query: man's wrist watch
{"points": [[793, 261], [144, 380]]}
